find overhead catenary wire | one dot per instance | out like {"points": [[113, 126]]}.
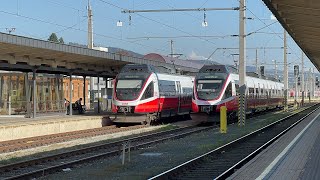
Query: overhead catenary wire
{"points": [[80, 10], [177, 10], [175, 37], [169, 26], [81, 30], [166, 25]]}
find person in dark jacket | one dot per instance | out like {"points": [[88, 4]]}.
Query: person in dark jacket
{"points": [[79, 106]]}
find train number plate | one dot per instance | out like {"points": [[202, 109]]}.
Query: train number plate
{"points": [[125, 109]]}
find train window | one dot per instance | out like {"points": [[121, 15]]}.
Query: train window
{"points": [[167, 88], [186, 90], [257, 92], [237, 89], [273, 93], [251, 92], [267, 93], [148, 92], [228, 92]]}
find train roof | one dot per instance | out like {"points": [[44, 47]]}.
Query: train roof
{"points": [[232, 70], [136, 68], [218, 68]]}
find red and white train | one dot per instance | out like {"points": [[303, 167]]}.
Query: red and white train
{"points": [[218, 85], [143, 94]]}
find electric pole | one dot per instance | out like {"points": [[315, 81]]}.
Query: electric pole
{"points": [[302, 77], [285, 76], [257, 69], [171, 49], [275, 68], [242, 64], [90, 29], [90, 46], [313, 83], [171, 54]]}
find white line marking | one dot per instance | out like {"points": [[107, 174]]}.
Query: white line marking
{"points": [[284, 152]]}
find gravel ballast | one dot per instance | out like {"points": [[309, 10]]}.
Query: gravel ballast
{"points": [[155, 159]]}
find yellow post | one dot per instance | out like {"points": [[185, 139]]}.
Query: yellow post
{"points": [[223, 119]]}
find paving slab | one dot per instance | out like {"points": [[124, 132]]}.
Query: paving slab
{"points": [[16, 127], [290, 157]]}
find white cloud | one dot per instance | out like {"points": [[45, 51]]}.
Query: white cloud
{"points": [[194, 56]]}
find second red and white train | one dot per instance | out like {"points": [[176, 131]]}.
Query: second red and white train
{"points": [[218, 85]]}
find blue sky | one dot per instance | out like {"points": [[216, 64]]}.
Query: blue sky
{"points": [[39, 18]]}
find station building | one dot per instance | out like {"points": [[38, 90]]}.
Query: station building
{"points": [[51, 92]]}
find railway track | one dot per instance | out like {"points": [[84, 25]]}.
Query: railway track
{"points": [[26, 143], [32, 142], [223, 161], [44, 165]]}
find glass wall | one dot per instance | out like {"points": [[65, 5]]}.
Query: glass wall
{"points": [[16, 89]]}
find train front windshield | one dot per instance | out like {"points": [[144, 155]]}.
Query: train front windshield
{"points": [[128, 89], [209, 89]]}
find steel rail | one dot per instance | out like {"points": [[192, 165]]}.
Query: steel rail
{"points": [[170, 174], [172, 134], [31, 142]]}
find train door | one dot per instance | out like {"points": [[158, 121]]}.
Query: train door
{"points": [[179, 95]]}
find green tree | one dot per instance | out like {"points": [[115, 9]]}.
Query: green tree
{"points": [[53, 37], [61, 40]]}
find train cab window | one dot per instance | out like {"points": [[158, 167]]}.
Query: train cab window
{"points": [[148, 92], [128, 89], [228, 92]]}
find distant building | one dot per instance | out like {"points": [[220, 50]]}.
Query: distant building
{"points": [[77, 89]]}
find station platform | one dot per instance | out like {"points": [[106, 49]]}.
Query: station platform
{"points": [[16, 126], [295, 155]]}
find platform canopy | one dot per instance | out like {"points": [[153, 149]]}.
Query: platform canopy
{"points": [[25, 54], [301, 19]]}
